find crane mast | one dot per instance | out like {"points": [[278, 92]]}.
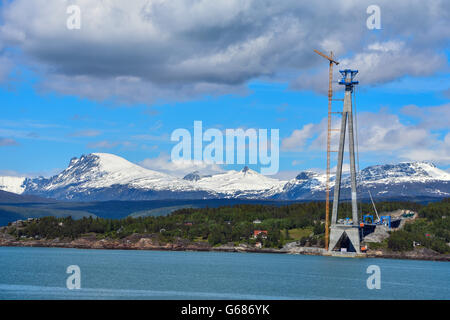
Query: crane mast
{"points": [[330, 99]]}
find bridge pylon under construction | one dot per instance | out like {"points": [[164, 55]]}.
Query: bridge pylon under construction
{"points": [[347, 231]]}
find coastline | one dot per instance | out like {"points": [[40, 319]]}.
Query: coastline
{"points": [[184, 245]]}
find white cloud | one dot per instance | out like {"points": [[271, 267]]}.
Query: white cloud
{"points": [[433, 118], [34, 174], [180, 168], [384, 132], [439, 154], [379, 63], [298, 138], [144, 51], [11, 173], [383, 135], [6, 66], [387, 61], [345, 168]]}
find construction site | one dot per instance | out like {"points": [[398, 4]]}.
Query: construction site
{"points": [[348, 236]]}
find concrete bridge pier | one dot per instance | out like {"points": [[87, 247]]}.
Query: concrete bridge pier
{"points": [[339, 231]]}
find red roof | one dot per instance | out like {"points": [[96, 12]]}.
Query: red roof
{"points": [[256, 232]]}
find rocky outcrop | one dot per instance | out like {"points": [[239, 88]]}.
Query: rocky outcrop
{"points": [[150, 242], [378, 235], [416, 254], [296, 248]]}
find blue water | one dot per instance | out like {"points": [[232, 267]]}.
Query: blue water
{"points": [[40, 273]]}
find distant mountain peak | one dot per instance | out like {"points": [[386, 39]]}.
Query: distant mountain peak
{"points": [[193, 176], [422, 162], [73, 161], [247, 171], [305, 175], [416, 170]]}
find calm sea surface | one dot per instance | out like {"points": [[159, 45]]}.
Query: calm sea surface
{"points": [[40, 273]]}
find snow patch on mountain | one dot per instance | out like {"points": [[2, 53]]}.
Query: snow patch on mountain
{"points": [[12, 184]]}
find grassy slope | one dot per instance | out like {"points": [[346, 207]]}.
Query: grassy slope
{"points": [[298, 233]]}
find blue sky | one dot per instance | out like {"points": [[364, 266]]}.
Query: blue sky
{"points": [[56, 104]]}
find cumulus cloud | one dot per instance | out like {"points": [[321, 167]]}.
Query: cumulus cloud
{"points": [[298, 138], [439, 154], [6, 66], [180, 168], [379, 63], [385, 61], [147, 50], [382, 134], [433, 118]]}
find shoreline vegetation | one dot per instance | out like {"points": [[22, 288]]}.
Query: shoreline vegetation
{"points": [[293, 229]]}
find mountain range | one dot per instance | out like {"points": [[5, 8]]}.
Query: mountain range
{"points": [[102, 177]]}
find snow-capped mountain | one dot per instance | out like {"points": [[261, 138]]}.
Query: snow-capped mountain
{"points": [[241, 184], [403, 172], [102, 176], [306, 184], [403, 180]]}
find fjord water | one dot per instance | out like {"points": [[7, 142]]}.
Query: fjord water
{"points": [[40, 273]]}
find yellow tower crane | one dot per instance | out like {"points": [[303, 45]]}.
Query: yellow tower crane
{"points": [[330, 98]]}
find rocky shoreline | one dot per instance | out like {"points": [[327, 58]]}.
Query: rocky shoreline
{"points": [[147, 242]]}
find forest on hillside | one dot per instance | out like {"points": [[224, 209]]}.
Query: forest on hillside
{"points": [[303, 222]]}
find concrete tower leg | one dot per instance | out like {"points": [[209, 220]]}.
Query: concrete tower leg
{"points": [[335, 236], [337, 185], [351, 143], [353, 235], [338, 231]]}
